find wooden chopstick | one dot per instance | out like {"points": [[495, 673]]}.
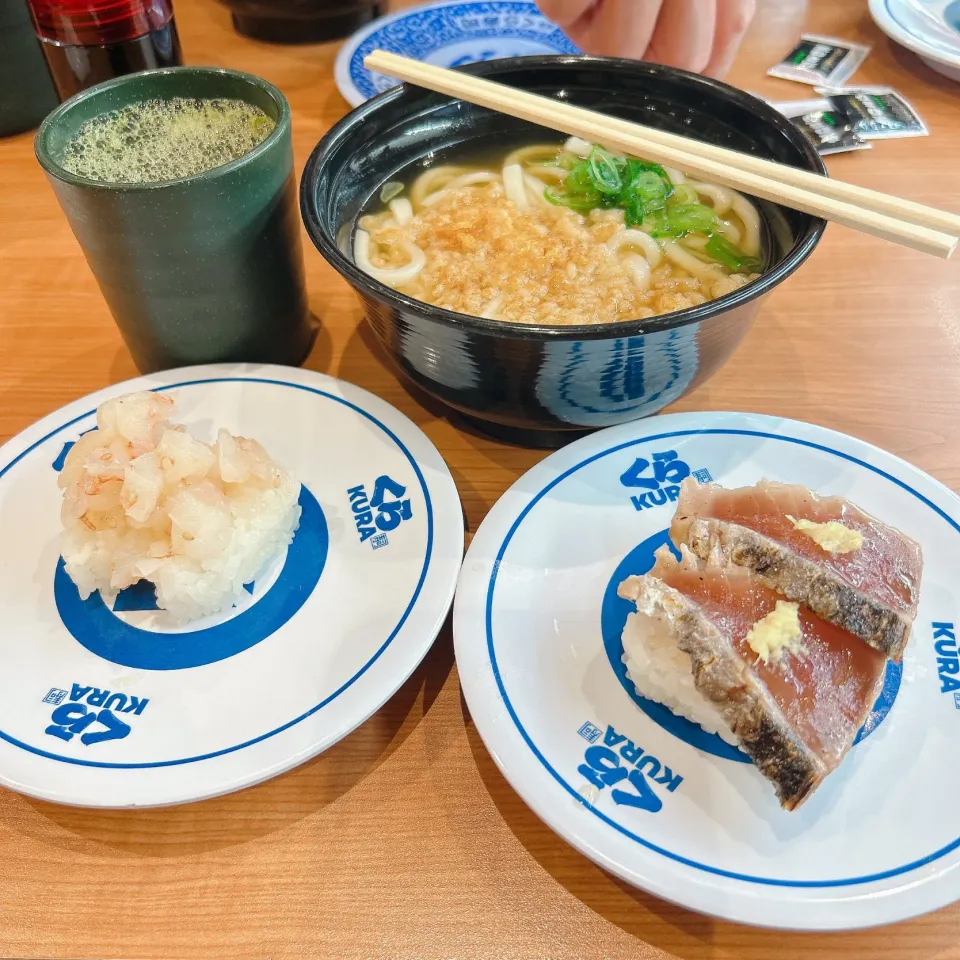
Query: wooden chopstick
{"points": [[911, 224]]}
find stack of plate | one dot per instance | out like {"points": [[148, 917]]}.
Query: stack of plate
{"points": [[930, 28]]}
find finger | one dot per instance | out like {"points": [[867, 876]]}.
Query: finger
{"points": [[684, 34], [618, 28], [733, 21], [565, 13]]}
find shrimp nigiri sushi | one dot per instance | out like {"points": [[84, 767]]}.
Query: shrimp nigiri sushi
{"points": [[145, 500]]}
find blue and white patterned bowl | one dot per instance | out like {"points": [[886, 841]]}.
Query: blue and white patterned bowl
{"points": [[447, 34]]}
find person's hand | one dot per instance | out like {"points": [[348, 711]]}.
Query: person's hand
{"points": [[698, 35]]}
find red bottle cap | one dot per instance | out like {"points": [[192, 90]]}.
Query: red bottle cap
{"points": [[98, 22]]}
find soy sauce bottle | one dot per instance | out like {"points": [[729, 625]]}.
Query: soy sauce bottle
{"points": [[88, 41]]}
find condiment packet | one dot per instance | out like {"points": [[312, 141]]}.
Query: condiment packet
{"points": [[797, 108], [823, 124], [794, 107], [876, 113], [829, 132], [824, 60]]}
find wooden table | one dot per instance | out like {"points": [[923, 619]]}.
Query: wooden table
{"points": [[403, 841]]}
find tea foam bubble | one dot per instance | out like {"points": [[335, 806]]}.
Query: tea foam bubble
{"points": [[157, 140]]}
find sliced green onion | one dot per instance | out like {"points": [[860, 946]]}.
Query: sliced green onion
{"points": [[578, 180], [581, 203], [685, 218], [723, 251], [634, 212], [683, 194], [645, 193], [635, 167], [604, 172], [651, 189], [661, 228], [390, 190]]}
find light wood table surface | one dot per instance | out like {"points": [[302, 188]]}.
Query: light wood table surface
{"points": [[404, 841]]}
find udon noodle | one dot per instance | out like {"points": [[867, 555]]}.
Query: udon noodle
{"points": [[561, 235]]}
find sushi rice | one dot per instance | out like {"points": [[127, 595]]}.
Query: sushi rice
{"points": [[662, 672]]}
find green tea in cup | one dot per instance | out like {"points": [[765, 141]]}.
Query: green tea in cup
{"points": [[157, 140]]}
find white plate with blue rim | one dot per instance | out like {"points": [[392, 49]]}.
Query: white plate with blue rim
{"points": [[113, 706], [447, 34], [537, 627], [930, 28]]}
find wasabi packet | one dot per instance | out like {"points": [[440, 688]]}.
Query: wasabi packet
{"points": [[876, 113], [820, 122], [821, 60]]}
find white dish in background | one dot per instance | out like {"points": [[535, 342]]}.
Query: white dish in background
{"points": [[537, 626], [446, 34], [329, 633], [930, 28]]}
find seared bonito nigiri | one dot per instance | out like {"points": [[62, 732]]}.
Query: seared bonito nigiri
{"points": [[715, 644], [823, 552]]}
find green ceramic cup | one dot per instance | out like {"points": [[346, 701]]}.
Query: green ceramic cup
{"points": [[204, 269]]}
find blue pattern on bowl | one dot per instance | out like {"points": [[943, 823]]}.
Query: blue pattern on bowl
{"points": [[452, 34]]}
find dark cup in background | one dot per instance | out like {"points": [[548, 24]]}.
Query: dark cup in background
{"points": [[204, 269], [26, 90], [302, 21]]}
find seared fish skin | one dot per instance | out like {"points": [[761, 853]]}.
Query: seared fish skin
{"points": [[872, 593], [722, 676], [804, 582], [795, 710]]}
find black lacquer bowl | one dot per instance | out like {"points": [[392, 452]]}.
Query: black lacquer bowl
{"points": [[545, 384], [302, 21]]}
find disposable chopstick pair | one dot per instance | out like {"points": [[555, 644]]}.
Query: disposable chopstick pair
{"points": [[881, 215]]}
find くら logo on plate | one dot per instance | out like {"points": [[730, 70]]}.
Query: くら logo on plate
{"points": [[948, 659], [660, 479], [380, 512], [92, 714]]}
